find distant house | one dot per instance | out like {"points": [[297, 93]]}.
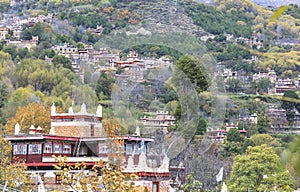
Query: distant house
{"points": [[227, 74], [3, 32], [297, 119], [271, 75], [206, 37], [29, 44], [161, 120], [283, 85], [252, 118], [66, 50], [297, 81], [220, 135], [277, 117], [287, 41]]}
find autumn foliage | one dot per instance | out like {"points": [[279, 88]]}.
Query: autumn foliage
{"points": [[102, 176], [11, 173], [35, 114]]}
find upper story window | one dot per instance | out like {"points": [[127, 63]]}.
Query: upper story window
{"points": [[57, 148], [48, 147], [102, 148], [35, 148], [67, 149], [129, 148], [136, 148], [20, 149], [92, 130]]}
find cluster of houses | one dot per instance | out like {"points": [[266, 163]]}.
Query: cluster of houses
{"points": [[105, 61], [13, 26], [85, 56], [220, 134], [278, 85], [253, 42], [277, 117]]}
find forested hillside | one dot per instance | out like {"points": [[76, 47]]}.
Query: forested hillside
{"points": [[53, 51]]}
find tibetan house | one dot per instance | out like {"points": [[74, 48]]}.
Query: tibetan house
{"points": [[80, 137]]}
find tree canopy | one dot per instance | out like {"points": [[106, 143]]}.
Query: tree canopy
{"points": [[12, 173], [259, 169], [32, 114], [193, 68], [234, 135], [289, 103]]}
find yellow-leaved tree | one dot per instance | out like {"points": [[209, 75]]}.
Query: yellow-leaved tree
{"points": [[103, 176], [11, 174], [35, 114]]}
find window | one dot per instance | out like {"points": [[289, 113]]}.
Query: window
{"points": [[57, 148], [92, 130], [58, 178], [102, 148], [48, 148], [136, 148], [20, 149], [129, 148], [67, 149], [35, 149]]}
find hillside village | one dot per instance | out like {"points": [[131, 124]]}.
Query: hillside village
{"points": [[163, 133]]}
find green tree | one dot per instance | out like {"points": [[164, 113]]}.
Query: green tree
{"points": [[41, 75], [232, 149], [265, 139], [201, 128], [3, 95], [26, 34], [263, 123], [259, 170], [233, 135], [19, 97], [192, 184], [247, 143], [11, 49], [193, 68], [3, 100], [104, 85], [22, 53], [294, 156], [234, 85], [62, 60], [263, 85], [233, 144], [289, 103]]}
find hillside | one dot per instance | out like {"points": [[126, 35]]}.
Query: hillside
{"points": [[123, 54], [276, 3]]}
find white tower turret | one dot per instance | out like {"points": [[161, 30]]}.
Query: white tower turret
{"points": [[99, 111], [17, 129], [53, 110]]}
